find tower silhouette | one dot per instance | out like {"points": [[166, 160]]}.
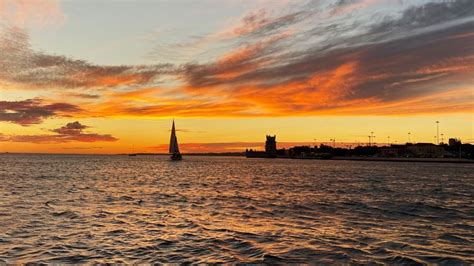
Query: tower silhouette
{"points": [[270, 146]]}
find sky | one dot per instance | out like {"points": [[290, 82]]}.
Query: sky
{"points": [[108, 76]]}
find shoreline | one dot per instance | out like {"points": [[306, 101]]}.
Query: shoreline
{"points": [[337, 158], [382, 159], [410, 160]]}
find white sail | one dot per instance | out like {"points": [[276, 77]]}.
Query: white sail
{"points": [[173, 141]]}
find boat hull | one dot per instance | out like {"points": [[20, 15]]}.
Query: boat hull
{"points": [[176, 157]]}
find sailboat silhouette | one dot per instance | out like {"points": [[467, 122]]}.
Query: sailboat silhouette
{"points": [[174, 148]]}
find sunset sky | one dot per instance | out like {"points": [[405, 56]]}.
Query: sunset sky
{"points": [[83, 76]]}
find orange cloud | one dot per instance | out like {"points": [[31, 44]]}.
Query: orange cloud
{"points": [[273, 71], [333, 91], [33, 111], [323, 90], [71, 132]]}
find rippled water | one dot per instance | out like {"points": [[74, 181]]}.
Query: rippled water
{"points": [[84, 209]]}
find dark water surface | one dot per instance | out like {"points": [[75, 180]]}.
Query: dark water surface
{"points": [[84, 209]]}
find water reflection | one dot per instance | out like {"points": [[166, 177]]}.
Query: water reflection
{"points": [[76, 209]]}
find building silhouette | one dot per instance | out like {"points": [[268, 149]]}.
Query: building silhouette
{"points": [[270, 146], [453, 142], [270, 149], [425, 150], [455, 149]]}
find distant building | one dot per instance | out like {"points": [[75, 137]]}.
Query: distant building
{"points": [[389, 152], [270, 146], [426, 150], [454, 142], [270, 150]]}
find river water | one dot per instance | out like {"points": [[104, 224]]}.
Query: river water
{"points": [[147, 209]]}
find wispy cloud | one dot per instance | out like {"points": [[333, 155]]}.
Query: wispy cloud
{"points": [[71, 132], [33, 111], [83, 95], [310, 59], [21, 65], [342, 7], [344, 64]]}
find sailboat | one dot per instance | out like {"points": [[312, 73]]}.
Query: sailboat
{"points": [[174, 149]]}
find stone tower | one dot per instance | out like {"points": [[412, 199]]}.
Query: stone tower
{"points": [[270, 146]]}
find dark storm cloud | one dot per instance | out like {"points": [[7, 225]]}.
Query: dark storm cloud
{"points": [[33, 111]]}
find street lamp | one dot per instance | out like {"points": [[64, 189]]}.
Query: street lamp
{"points": [[373, 138], [437, 132]]}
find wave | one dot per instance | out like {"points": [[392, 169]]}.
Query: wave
{"points": [[402, 260], [65, 214]]}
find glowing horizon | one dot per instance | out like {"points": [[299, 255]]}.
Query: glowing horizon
{"points": [[82, 77]]}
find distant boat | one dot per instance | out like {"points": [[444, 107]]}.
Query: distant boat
{"points": [[174, 148]]}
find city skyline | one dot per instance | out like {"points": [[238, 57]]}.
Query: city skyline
{"points": [[101, 77]]}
